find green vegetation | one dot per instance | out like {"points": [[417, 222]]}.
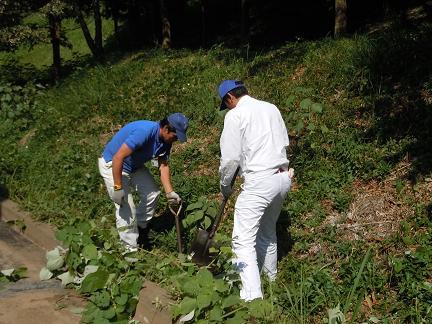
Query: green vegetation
{"points": [[359, 113]]}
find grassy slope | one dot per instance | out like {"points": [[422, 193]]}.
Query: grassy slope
{"points": [[376, 114]]}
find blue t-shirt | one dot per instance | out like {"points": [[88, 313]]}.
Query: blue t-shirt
{"points": [[143, 139]]}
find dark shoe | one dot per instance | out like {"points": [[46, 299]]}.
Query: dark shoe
{"points": [[143, 239]]}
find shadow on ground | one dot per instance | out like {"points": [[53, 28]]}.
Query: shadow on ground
{"points": [[401, 95], [284, 238]]}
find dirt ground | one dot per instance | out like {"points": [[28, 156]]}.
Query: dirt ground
{"points": [[378, 208]]}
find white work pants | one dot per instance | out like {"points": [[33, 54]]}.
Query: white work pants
{"points": [[128, 217], [254, 234]]}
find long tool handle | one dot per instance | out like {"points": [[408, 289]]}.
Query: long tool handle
{"points": [[222, 208], [178, 228]]}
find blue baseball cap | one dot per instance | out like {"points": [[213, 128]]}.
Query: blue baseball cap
{"points": [[225, 87], [180, 123]]}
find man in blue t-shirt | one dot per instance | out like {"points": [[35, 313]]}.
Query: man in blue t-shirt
{"points": [[122, 168]]}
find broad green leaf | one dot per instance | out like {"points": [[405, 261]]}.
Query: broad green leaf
{"points": [[311, 126], [207, 222], [211, 211], [131, 285], [193, 206], [198, 215], [203, 300], [122, 299], [289, 101], [66, 278], [204, 277], [230, 301], [90, 252], [299, 126], [20, 272], [187, 305], [54, 260], [306, 103], [317, 107], [73, 260], [215, 314], [212, 249], [324, 129], [100, 320], [260, 308], [226, 249], [94, 281], [45, 274], [101, 299], [221, 285], [239, 318], [191, 287]]}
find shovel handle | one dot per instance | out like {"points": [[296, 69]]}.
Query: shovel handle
{"points": [[222, 208], [178, 228]]}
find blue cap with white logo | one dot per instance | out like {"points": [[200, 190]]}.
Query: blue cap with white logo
{"points": [[225, 87], [180, 123]]}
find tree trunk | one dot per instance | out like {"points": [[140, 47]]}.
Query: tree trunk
{"points": [[244, 32], [54, 28], [166, 26], [340, 27], [90, 42], [203, 23], [98, 26]]}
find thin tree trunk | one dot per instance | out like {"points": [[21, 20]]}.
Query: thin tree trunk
{"points": [[203, 23], [54, 27], [98, 26], [90, 42], [166, 26], [340, 18], [244, 32]]}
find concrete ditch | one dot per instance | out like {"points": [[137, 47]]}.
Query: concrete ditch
{"points": [[29, 298]]}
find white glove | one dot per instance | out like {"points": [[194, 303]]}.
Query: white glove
{"points": [[117, 196], [226, 191], [173, 198]]}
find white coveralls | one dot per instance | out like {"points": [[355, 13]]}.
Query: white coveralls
{"points": [[255, 138], [129, 216]]}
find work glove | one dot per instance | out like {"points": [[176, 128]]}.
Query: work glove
{"points": [[117, 196], [173, 198], [226, 190]]}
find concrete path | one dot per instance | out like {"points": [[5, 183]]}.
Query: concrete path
{"points": [[31, 301]]}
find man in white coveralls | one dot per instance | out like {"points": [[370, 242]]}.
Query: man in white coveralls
{"points": [[255, 139]]}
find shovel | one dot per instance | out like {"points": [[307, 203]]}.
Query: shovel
{"points": [[177, 224], [200, 245]]}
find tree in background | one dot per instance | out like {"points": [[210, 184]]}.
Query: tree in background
{"points": [[16, 33], [86, 6], [166, 25], [13, 32], [56, 11], [340, 27]]}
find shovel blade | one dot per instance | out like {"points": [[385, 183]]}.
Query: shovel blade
{"points": [[199, 247]]}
